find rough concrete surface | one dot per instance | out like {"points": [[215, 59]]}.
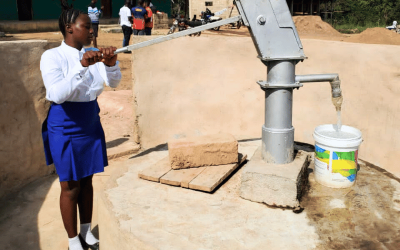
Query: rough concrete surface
{"points": [[200, 151], [365, 216], [194, 95], [137, 214], [23, 109], [275, 185], [31, 218]]}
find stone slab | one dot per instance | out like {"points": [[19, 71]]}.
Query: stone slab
{"points": [[201, 151], [212, 176], [156, 171], [181, 177], [275, 185]]}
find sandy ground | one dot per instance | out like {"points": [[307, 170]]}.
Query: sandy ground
{"points": [[31, 218]]}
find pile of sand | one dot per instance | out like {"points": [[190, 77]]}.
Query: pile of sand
{"points": [[314, 25], [376, 36]]}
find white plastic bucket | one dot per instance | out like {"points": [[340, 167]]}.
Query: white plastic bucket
{"points": [[336, 159]]}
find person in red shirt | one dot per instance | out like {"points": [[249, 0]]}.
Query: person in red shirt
{"points": [[139, 14], [148, 18]]}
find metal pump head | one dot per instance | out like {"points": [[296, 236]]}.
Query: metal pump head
{"points": [[272, 29]]}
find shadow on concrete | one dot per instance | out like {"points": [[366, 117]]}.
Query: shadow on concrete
{"points": [[116, 142], [19, 220], [95, 231], [161, 147]]}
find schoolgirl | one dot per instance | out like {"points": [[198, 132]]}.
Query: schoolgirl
{"points": [[72, 134]]}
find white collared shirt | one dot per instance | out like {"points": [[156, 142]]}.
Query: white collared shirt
{"points": [[124, 14], [66, 79]]}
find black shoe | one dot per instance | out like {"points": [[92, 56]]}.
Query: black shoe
{"points": [[86, 245]]}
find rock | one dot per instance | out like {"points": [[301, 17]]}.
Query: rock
{"points": [[275, 185], [210, 150]]}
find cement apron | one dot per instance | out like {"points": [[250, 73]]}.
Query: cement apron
{"points": [[138, 214]]}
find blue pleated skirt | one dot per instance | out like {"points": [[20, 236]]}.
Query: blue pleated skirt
{"points": [[74, 140]]}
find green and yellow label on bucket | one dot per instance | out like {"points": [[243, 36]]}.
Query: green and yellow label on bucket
{"points": [[343, 166], [336, 158]]}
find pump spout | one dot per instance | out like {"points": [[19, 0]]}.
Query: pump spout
{"points": [[337, 98], [333, 79]]}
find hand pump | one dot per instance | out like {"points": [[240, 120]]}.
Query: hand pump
{"points": [[279, 48]]}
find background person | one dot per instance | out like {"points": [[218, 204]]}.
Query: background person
{"points": [[139, 13], [94, 15], [148, 18], [125, 18], [72, 134]]}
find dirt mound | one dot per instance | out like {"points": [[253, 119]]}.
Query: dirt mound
{"points": [[376, 36], [314, 25]]}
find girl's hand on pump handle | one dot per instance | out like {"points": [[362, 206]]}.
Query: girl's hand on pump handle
{"points": [[105, 55]]}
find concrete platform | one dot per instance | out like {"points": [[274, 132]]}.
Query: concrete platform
{"points": [[138, 214], [134, 215], [276, 185]]}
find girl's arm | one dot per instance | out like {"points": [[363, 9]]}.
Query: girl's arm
{"points": [[58, 87], [109, 69]]}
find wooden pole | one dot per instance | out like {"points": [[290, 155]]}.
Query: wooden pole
{"points": [[311, 7], [326, 10]]}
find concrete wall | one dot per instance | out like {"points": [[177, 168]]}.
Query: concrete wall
{"points": [[197, 6], [206, 85], [23, 109], [160, 21]]}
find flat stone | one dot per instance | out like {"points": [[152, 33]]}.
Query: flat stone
{"points": [[273, 184], [209, 150]]}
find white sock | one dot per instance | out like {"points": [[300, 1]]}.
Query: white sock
{"points": [[75, 243], [87, 235]]}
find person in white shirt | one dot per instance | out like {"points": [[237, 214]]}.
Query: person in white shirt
{"points": [[125, 20], [72, 134], [94, 15]]}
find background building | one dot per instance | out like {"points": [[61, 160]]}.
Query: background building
{"points": [[50, 9]]}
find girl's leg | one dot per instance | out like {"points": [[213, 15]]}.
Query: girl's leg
{"points": [[68, 205], [85, 204], [85, 200]]}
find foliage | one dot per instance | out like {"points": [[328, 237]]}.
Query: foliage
{"points": [[178, 7], [366, 12]]}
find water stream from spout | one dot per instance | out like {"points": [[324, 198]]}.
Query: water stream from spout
{"points": [[339, 120]]}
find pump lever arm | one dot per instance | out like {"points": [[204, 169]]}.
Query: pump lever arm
{"points": [[178, 34]]}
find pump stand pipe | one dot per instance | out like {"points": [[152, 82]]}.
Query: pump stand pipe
{"points": [[333, 79]]}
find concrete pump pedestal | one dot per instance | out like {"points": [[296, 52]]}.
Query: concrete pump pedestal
{"points": [[279, 185]]}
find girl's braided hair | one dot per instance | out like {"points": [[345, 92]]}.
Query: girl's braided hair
{"points": [[68, 15]]}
